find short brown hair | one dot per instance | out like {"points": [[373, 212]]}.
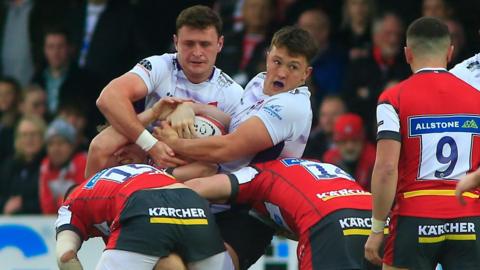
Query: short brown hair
{"points": [[199, 17], [296, 40], [428, 36]]}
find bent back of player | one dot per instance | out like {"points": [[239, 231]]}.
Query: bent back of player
{"points": [[428, 133], [318, 203]]}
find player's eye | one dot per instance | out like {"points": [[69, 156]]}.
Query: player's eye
{"points": [[277, 62], [205, 44], [293, 67]]}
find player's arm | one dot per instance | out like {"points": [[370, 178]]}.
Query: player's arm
{"points": [[115, 102], [105, 144], [249, 138], [195, 169], [216, 188], [468, 182], [384, 176], [66, 249], [239, 186]]}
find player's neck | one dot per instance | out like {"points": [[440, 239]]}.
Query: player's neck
{"points": [[199, 78], [432, 63]]}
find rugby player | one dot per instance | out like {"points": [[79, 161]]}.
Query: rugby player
{"points": [[146, 215], [319, 203], [190, 74], [427, 140], [272, 121]]}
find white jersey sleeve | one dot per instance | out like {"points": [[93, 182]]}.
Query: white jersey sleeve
{"points": [[388, 122], [153, 71], [286, 116], [469, 71]]}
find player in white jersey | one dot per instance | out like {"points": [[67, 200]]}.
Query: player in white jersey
{"points": [[469, 71], [273, 120], [190, 73], [274, 117]]}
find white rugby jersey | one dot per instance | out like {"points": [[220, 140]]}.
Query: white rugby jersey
{"points": [[469, 71], [164, 77], [287, 117]]}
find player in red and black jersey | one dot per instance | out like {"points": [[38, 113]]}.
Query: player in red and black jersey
{"points": [[319, 203], [144, 215], [428, 138]]}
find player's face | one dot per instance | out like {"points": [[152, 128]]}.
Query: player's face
{"points": [[285, 72], [197, 51]]}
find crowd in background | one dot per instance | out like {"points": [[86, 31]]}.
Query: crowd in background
{"points": [[57, 55]]}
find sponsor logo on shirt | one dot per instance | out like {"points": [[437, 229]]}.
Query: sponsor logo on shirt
{"points": [[145, 64], [223, 80], [325, 196], [273, 110], [438, 124]]}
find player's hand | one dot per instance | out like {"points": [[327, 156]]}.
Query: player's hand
{"points": [[164, 156], [165, 106], [129, 154], [165, 133], [372, 248], [182, 119], [468, 182]]}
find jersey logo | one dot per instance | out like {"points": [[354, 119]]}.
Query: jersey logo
{"points": [[273, 110], [224, 81], [428, 125], [146, 64], [473, 65]]}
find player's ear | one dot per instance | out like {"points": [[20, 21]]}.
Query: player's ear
{"points": [[175, 42], [408, 54], [451, 49], [220, 43]]}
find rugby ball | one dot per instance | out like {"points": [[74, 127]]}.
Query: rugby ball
{"points": [[207, 126]]}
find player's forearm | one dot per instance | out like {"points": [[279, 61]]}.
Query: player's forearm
{"points": [[384, 185], [211, 149], [118, 110]]}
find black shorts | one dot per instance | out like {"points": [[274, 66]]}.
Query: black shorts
{"points": [[248, 236], [421, 243], [157, 222], [336, 242]]}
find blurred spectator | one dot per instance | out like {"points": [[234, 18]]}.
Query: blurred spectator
{"points": [[61, 78], [460, 50], [355, 33], [329, 63], [62, 167], [10, 96], [243, 53], [107, 38], [19, 175], [366, 77], [352, 153], [34, 102], [21, 26], [437, 8], [75, 114], [321, 136]]}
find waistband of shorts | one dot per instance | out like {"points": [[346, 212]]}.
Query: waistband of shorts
{"points": [[437, 192]]}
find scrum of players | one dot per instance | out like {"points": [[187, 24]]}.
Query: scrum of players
{"points": [[151, 174]]}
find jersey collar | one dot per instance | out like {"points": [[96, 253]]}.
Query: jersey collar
{"points": [[429, 69]]}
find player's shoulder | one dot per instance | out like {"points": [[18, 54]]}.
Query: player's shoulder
{"points": [[166, 60], [469, 71], [391, 94], [224, 82]]}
